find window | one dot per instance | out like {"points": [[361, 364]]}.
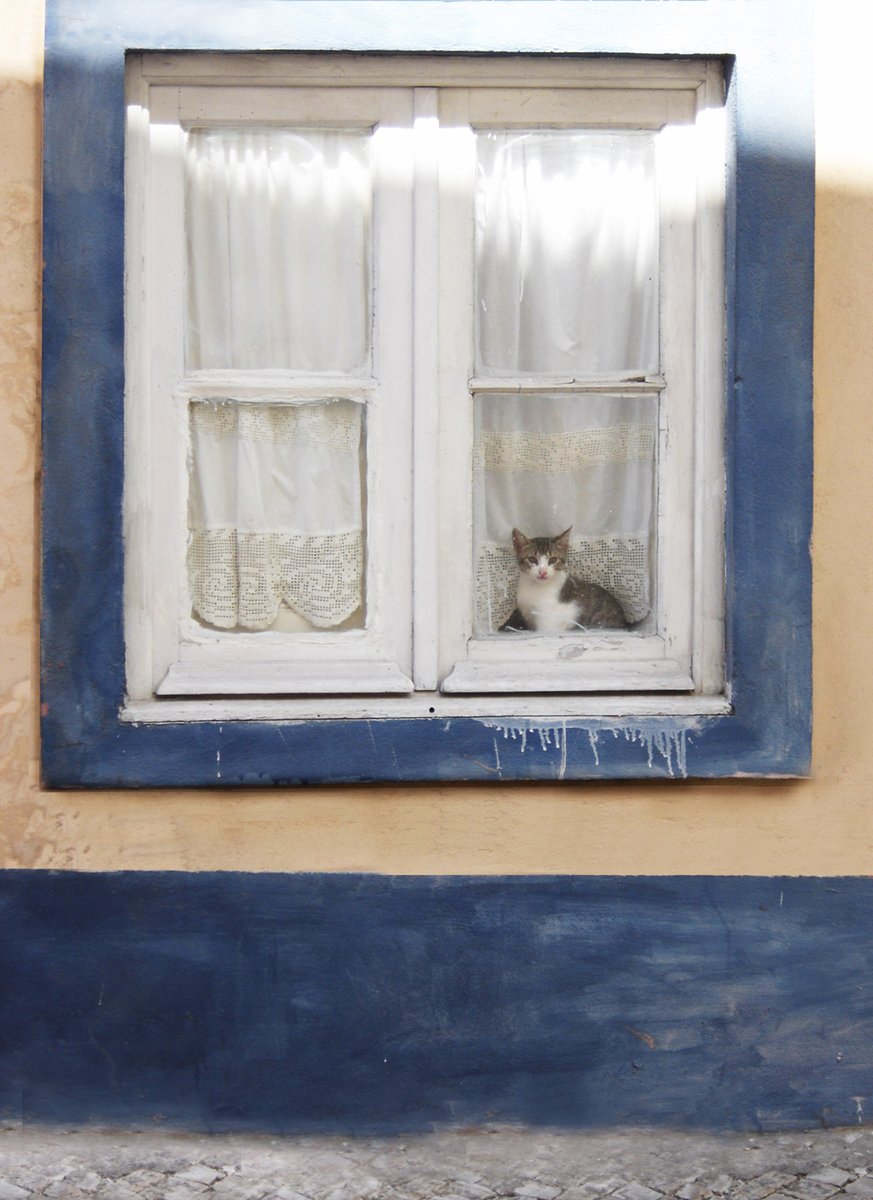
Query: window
{"points": [[278, 549], [375, 325]]}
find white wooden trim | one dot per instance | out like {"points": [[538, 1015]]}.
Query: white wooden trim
{"points": [[674, 541], [164, 326], [649, 385], [303, 107], [389, 413], [709, 500], [138, 607], [277, 387], [664, 675], [594, 648], [632, 111], [456, 174], [426, 567], [348, 70], [265, 678], [508, 712]]}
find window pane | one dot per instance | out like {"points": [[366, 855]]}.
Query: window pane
{"points": [[546, 462], [566, 253], [278, 237], [275, 515]]}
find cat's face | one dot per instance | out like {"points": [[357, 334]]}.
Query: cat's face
{"points": [[541, 557]]}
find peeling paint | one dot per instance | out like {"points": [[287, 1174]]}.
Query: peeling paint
{"points": [[643, 1037]]}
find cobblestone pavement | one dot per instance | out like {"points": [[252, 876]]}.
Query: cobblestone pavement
{"points": [[464, 1165]]}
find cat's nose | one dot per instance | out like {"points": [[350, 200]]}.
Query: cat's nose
{"points": [[542, 573]]}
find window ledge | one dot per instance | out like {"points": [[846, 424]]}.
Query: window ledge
{"points": [[422, 706]]}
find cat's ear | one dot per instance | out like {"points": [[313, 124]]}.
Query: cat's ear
{"points": [[519, 540], [562, 541]]}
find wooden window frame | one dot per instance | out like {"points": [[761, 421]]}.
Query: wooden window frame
{"points": [[433, 106]]}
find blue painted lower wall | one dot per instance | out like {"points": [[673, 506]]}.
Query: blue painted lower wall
{"points": [[363, 1003]]}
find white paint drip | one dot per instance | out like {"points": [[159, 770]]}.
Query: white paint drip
{"points": [[670, 745], [562, 769], [859, 1108]]}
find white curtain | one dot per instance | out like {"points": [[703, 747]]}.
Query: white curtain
{"points": [[567, 286], [567, 253], [278, 231], [278, 226]]}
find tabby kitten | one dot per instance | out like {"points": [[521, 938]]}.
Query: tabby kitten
{"points": [[548, 599]]}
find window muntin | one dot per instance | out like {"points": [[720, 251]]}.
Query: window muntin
{"points": [[444, 600]]}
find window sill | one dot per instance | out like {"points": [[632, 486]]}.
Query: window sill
{"points": [[420, 707]]}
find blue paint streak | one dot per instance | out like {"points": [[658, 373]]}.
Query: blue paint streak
{"points": [[360, 1004]]}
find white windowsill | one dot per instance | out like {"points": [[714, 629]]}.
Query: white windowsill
{"points": [[542, 710]]}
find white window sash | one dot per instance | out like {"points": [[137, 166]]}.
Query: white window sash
{"points": [[419, 403], [684, 652], [168, 652]]}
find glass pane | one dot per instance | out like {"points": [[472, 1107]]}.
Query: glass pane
{"points": [[276, 536], [278, 237], [546, 463], [566, 253]]}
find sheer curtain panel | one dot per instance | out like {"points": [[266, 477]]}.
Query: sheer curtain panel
{"points": [[567, 247], [279, 285]]}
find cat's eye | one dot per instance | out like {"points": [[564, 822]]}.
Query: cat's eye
{"points": [[552, 561]]}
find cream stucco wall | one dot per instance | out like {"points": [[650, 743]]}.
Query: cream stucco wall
{"points": [[823, 825]]}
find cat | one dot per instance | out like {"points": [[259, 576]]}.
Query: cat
{"points": [[549, 599]]}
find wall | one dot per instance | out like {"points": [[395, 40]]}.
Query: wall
{"points": [[822, 826]]}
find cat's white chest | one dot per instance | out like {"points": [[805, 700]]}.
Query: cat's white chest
{"points": [[539, 603]]}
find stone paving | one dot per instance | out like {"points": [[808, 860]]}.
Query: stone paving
{"points": [[487, 1164]]}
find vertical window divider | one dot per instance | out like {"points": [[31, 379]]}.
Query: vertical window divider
{"points": [[709, 471], [457, 166], [425, 397]]}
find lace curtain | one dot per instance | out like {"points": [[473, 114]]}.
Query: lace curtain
{"points": [[545, 462], [275, 512], [278, 231], [567, 286]]}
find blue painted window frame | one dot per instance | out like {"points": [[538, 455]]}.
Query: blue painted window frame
{"points": [[768, 52]]}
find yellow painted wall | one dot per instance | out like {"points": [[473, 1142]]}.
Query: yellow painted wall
{"points": [[823, 825]]}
